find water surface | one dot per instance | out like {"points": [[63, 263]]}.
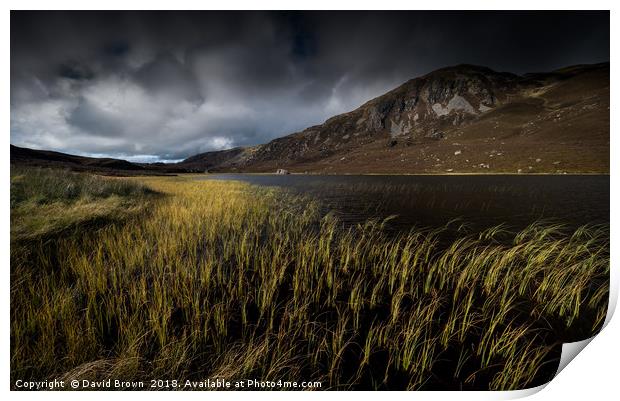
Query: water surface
{"points": [[431, 201]]}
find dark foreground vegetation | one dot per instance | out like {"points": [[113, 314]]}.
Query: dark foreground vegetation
{"points": [[224, 280]]}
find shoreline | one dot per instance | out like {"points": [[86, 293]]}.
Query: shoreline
{"points": [[406, 174]]}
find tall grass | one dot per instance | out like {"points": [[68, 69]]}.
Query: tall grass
{"points": [[47, 201], [221, 279]]}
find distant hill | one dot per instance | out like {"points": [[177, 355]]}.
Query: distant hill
{"points": [[46, 158], [461, 119]]}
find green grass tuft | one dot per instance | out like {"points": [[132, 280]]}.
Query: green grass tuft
{"points": [[45, 202]]}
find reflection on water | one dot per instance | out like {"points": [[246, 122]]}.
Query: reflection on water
{"points": [[431, 201]]}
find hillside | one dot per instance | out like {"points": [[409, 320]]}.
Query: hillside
{"points": [[463, 119]]}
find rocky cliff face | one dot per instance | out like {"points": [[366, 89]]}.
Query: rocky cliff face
{"points": [[448, 96], [431, 108]]}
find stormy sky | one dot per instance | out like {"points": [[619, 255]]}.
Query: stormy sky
{"points": [[160, 86]]}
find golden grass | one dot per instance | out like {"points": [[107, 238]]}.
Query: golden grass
{"points": [[222, 279]]}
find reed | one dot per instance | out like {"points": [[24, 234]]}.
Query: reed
{"points": [[223, 279]]}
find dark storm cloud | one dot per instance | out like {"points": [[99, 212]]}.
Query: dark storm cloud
{"points": [[75, 71], [170, 84]]}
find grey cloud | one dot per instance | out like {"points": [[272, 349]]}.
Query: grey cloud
{"points": [[165, 74], [166, 85]]}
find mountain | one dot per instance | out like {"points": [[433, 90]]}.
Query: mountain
{"points": [[462, 119]]}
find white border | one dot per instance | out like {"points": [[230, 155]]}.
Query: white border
{"points": [[592, 375]]}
